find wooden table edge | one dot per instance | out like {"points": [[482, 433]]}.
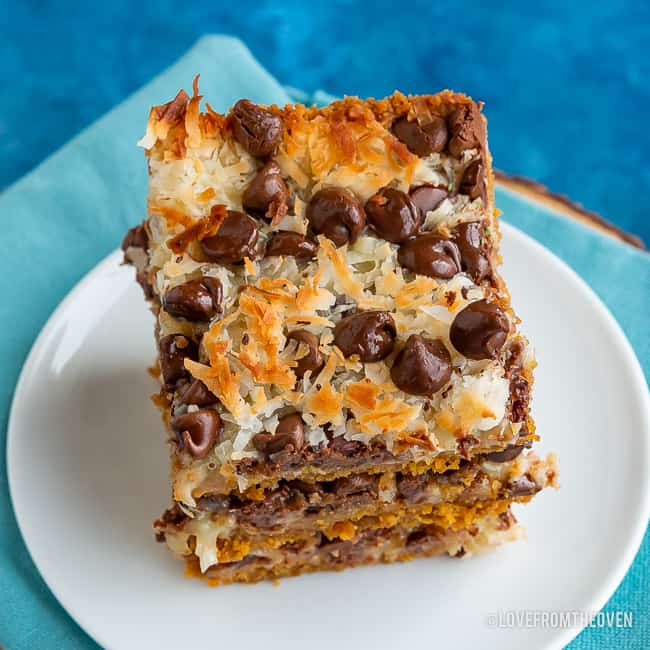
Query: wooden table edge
{"points": [[537, 192]]}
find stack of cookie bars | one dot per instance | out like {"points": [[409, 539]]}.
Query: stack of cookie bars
{"points": [[341, 374]]}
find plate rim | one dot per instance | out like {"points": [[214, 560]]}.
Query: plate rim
{"points": [[616, 573]]}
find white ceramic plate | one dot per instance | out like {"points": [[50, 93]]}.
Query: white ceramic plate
{"points": [[88, 474]]}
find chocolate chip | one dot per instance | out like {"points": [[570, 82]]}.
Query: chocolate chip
{"points": [[473, 181], [197, 431], [509, 453], [313, 360], [261, 440], [479, 331], [336, 213], [347, 448], [270, 512], [196, 300], [354, 484], [473, 254], [465, 128], [284, 242], [411, 487], [257, 130], [428, 254], [217, 503], [173, 350], [291, 425], [289, 433], [519, 397], [267, 186], [235, 239], [428, 197], [197, 393], [422, 139], [369, 334], [521, 487], [422, 367], [136, 237], [393, 215]]}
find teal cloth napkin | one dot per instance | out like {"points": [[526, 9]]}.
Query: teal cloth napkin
{"points": [[72, 210]]}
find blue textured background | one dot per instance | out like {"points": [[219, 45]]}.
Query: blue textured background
{"points": [[566, 83]]}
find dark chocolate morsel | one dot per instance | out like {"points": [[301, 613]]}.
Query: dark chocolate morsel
{"points": [[138, 238], [369, 334], [393, 215], [473, 254], [135, 237], [465, 129], [422, 367], [292, 426], [197, 393], [422, 139], [519, 398], [266, 186], [428, 254], [479, 331], [260, 440], [336, 213], [473, 181], [290, 432], [197, 431], [195, 300], [427, 198], [346, 448], [509, 453], [313, 360], [173, 350], [255, 128], [284, 242], [235, 239]]}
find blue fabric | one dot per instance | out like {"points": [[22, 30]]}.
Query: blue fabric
{"points": [[73, 210], [565, 85]]}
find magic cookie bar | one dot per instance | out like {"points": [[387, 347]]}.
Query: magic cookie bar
{"points": [[341, 374]]}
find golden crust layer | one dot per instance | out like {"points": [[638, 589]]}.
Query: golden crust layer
{"points": [[378, 545]]}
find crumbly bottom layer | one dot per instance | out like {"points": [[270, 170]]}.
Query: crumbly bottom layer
{"points": [[380, 545], [301, 505], [212, 543]]}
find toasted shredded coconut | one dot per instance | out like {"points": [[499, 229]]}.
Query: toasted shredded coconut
{"points": [[197, 170]]}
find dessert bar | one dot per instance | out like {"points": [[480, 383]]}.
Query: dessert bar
{"points": [[342, 379]]}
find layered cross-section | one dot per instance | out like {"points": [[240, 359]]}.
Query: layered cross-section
{"points": [[341, 374]]}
